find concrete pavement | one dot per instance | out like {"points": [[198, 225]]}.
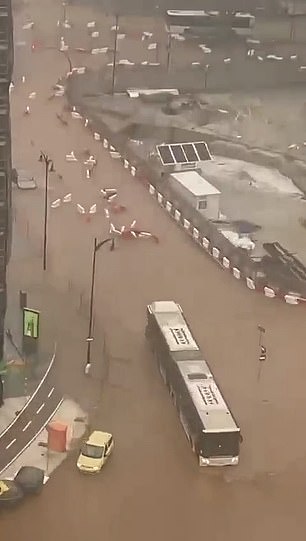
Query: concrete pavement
{"points": [[36, 453]]}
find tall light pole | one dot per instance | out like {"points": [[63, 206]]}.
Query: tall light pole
{"points": [[169, 44], [64, 11], [115, 54], [96, 247], [49, 168]]}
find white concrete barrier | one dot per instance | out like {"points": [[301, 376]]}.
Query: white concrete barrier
{"points": [[215, 253], [226, 262], [236, 273], [205, 243], [291, 299], [152, 189], [250, 283], [269, 292], [168, 206], [195, 233], [186, 224], [160, 198], [177, 215]]}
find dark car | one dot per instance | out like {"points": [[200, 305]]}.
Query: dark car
{"points": [[23, 180], [30, 479], [10, 493]]}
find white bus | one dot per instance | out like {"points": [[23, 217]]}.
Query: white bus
{"points": [[180, 22], [209, 425]]}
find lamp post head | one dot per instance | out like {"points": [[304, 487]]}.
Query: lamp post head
{"points": [[52, 168], [41, 158]]}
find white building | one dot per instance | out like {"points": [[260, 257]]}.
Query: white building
{"points": [[198, 192]]}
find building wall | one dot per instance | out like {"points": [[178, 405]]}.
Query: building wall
{"points": [[6, 67]]}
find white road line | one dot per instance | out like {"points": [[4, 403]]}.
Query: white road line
{"points": [[26, 426], [51, 392], [40, 408], [32, 397], [34, 437], [11, 443]]}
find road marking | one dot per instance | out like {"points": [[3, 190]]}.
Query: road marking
{"points": [[40, 408], [26, 426], [51, 392], [34, 437], [10, 444], [33, 395]]}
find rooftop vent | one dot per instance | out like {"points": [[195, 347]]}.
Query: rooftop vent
{"points": [[196, 376]]}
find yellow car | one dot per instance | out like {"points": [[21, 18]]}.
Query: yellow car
{"points": [[95, 452]]}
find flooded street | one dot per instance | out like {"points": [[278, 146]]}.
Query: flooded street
{"points": [[151, 488]]}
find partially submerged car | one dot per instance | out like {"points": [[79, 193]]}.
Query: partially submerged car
{"points": [[10, 493], [23, 179], [30, 479], [95, 452]]}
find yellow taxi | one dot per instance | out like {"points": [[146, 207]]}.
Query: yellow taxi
{"points": [[95, 452]]}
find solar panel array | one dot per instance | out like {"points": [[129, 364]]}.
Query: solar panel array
{"points": [[182, 153]]}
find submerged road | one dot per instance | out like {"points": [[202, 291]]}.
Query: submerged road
{"points": [[28, 423], [152, 488]]}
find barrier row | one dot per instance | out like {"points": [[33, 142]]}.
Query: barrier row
{"points": [[194, 233], [215, 253]]}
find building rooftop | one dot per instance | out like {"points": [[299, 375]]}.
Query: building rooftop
{"points": [[195, 183]]}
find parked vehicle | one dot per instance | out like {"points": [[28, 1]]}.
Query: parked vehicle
{"points": [[23, 179], [95, 452], [10, 493], [30, 479]]}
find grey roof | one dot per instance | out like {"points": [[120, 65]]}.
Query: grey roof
{"points": [[206, 396], [172, 323]]}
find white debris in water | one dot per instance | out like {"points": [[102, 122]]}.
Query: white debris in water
{"points": [[237, 240]]}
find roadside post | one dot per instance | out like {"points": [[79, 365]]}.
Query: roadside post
{"points": [[262, 351]]}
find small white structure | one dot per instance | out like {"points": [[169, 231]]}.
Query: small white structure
{"points": [[202, 195]]}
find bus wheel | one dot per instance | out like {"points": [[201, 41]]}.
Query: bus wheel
{"points": [[173, 396], [192, 444], [162, 373]]}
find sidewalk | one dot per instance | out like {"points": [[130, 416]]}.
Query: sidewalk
{"points": [[64, 319], [37, 454]]}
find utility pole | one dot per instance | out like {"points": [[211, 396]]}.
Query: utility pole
{"points": [[96, 248], [169, 50], [115, 53], [49, 168]]}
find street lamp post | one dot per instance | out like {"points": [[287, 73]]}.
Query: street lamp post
{"points": [[169, 50], [96, 248], [49, 168], [115, 53]]}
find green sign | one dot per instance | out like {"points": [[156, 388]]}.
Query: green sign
{"points": [[31, 323]]}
